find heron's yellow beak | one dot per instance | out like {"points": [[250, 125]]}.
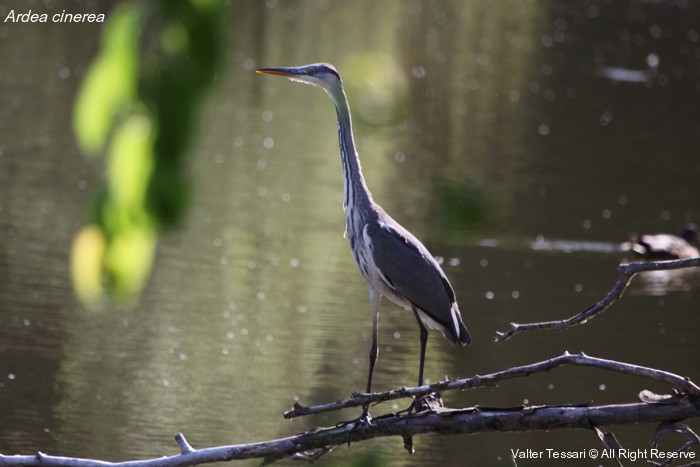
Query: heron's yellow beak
{"points": [[274, 71]]}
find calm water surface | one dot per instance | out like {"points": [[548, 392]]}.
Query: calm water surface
{"points": [[521, 141]]}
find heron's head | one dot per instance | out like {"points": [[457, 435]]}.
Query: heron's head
{"points": [[323, 75]]}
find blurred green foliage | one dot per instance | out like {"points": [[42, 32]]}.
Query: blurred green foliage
{"points": [[137, 105], [376, 86], [462, 207]]}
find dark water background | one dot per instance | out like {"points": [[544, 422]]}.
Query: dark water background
{"points": [[492, 130]]}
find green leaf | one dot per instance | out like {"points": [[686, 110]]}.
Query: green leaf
{"points": [[128, 260], [111, 81], [130, 165]]}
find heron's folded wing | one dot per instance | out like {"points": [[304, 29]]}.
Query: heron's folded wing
{"points": [[410, 270]]}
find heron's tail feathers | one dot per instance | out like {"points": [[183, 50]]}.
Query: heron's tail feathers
{"points": [[452, 328], [458, 334]]}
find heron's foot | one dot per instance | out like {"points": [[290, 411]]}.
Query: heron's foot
{"points": [[363, 420], [431, 402], [427, 403]]}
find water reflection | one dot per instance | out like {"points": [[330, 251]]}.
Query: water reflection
{"points": [[569, 246], [627, 75], [660, 283], [505, 152]]}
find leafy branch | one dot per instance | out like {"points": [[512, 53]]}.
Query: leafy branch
{"points": [[137, 106]]}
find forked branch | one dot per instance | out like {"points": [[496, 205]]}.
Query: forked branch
{"points": [[312, 444], [627, 272], [684, 403]]}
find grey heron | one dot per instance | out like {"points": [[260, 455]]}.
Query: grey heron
{"points": [[394, 263]]}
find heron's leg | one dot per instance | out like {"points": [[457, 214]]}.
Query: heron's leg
{"points": [[423, 342], [374, 298]]}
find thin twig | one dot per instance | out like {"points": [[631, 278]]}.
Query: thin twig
{"points": [[692, 439], [609, 441], [681, 384], [627, 271], [181, 441]]}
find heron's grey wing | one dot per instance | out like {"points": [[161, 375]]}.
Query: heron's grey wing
{"points": [[410, 271]]}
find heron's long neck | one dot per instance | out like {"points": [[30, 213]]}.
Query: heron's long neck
{"points": [[357, 195]]}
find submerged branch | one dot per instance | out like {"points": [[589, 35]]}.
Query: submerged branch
{"points": [[627, 272]]}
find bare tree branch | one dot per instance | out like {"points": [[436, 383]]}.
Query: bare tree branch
{"points": [[627, 272], [681, 384], [666, 427], [609, 441], [445, 421]]}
